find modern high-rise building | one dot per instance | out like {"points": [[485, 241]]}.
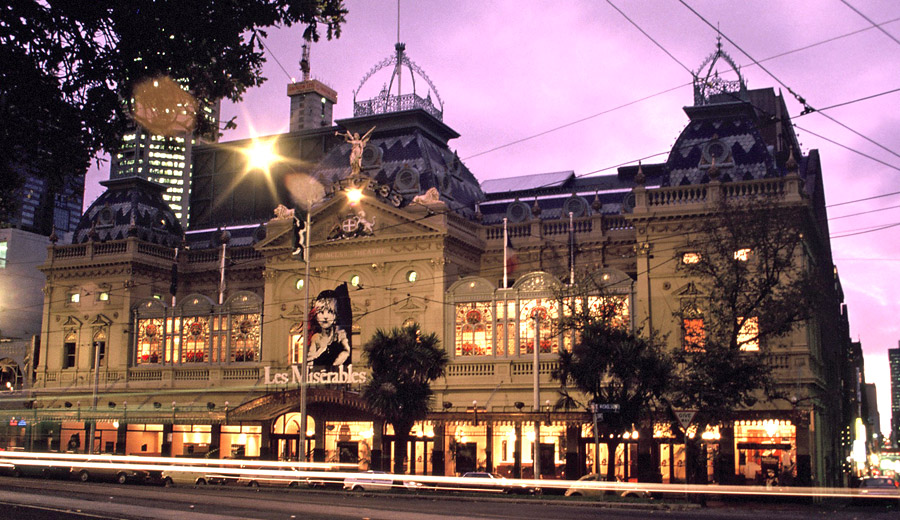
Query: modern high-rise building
{"points": [[162, 159], [45, 206], [894, 360]]}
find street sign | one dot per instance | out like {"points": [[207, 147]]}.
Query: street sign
{"points": [[607, 407], [685, 417]]}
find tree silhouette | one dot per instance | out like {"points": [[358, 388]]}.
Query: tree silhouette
{"points": [[403, 362]]}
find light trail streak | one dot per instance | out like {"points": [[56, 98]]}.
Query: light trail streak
{"points": [[306, 472]]}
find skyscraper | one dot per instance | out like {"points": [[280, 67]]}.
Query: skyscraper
{"points": [[162, 159], [894, 359]]}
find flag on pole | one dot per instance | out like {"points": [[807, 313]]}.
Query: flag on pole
{"points": [[510, 260]]}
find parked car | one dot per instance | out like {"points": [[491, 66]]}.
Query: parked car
{"points": [[287, 479], [378, 480], [61, 471], [491, 482], [189, 478], [109, 472], [579, 491]]}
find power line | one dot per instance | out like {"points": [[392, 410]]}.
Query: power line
{"points": [[845, 147], [638, 27], [800, 99], [875, 25]]}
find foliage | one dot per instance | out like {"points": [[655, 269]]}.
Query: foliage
{"points": [[403, 363], [610, 364], [68, 69], [753, 285]]}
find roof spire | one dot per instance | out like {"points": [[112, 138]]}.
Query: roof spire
{"points": [[304, 61]]}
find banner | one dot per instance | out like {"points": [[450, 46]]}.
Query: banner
{"points": [[330, 322]]}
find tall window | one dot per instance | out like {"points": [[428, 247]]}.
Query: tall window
{"points": [[150, 337], [296, 346], [69, 350], [194, 340], [219, 343], [506, 328], [3, 253], [474, 329], [244, 337], [694, 334], [748, 336], [545, 312], [99, 348]]}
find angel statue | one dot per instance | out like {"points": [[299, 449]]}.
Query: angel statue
{"points": [[357, 145]]}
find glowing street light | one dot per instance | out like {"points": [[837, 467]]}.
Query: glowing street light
{"points": [[261, 155], [354, 195]]}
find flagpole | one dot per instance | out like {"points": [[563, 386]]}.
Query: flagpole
{"points": [[304, 367], [505, 258], [174, 282], [571, 249], [222, 275]]}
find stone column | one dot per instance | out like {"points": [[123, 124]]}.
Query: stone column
{"points": [[489, 448], [121, 438], [266, 450], [319, 450], [517, 453], [804, 460], [438, 466], [573, 438], [647, 464], [377, 445], [166, 450], [215, 440]]}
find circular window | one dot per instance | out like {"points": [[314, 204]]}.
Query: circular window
{"points": [[575, 205], [716, 150], [299, 284], [371, 155], [354, 280], [407, 180], [412, 276], [518, 212]]}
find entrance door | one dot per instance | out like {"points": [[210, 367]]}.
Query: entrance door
{"points": [[466, 457], [348, 452], [287, 447]]}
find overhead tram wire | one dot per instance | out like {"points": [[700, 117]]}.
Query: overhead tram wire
{"points": [[800, 99], [638, 27], [875, 25]]}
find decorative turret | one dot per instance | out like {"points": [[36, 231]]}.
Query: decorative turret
{"points": [[387, 101], [708, 84]]}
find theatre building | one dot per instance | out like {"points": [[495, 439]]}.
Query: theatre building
{"points": [[159, 340]]}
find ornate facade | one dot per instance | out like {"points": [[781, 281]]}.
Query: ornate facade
{"points": [[181, 343]]}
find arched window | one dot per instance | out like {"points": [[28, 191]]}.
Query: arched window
{"points": [[245, 337], [195, 339], [474, 329], [296, 346], [69, 347], [546, 312], [149, 342], [98, 348]]}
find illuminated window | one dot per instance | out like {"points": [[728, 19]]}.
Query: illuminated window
{"points": [[149, 344], [354, 280], [3, 252], [103, 296], [742, 254], [690, 258], [74, 297], [506, 328], [545, 312], [412, 276], [694, 334], [245, 337], [474, 329], [748, 336], [299, 284], [296, 346], [99, 348], [195, 337]]}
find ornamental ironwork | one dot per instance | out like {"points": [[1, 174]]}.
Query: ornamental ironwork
{"points": [[386, 102]]}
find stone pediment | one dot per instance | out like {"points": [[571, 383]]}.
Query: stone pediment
{"points": [[338, 221], [688, 289]]}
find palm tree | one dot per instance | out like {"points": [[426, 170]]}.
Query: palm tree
{"points": [[403, 362]]}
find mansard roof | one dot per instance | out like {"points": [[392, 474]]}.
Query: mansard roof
{"points": [[130, 206]]}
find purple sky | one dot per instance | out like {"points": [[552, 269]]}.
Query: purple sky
{"points": [[509, 70]]}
